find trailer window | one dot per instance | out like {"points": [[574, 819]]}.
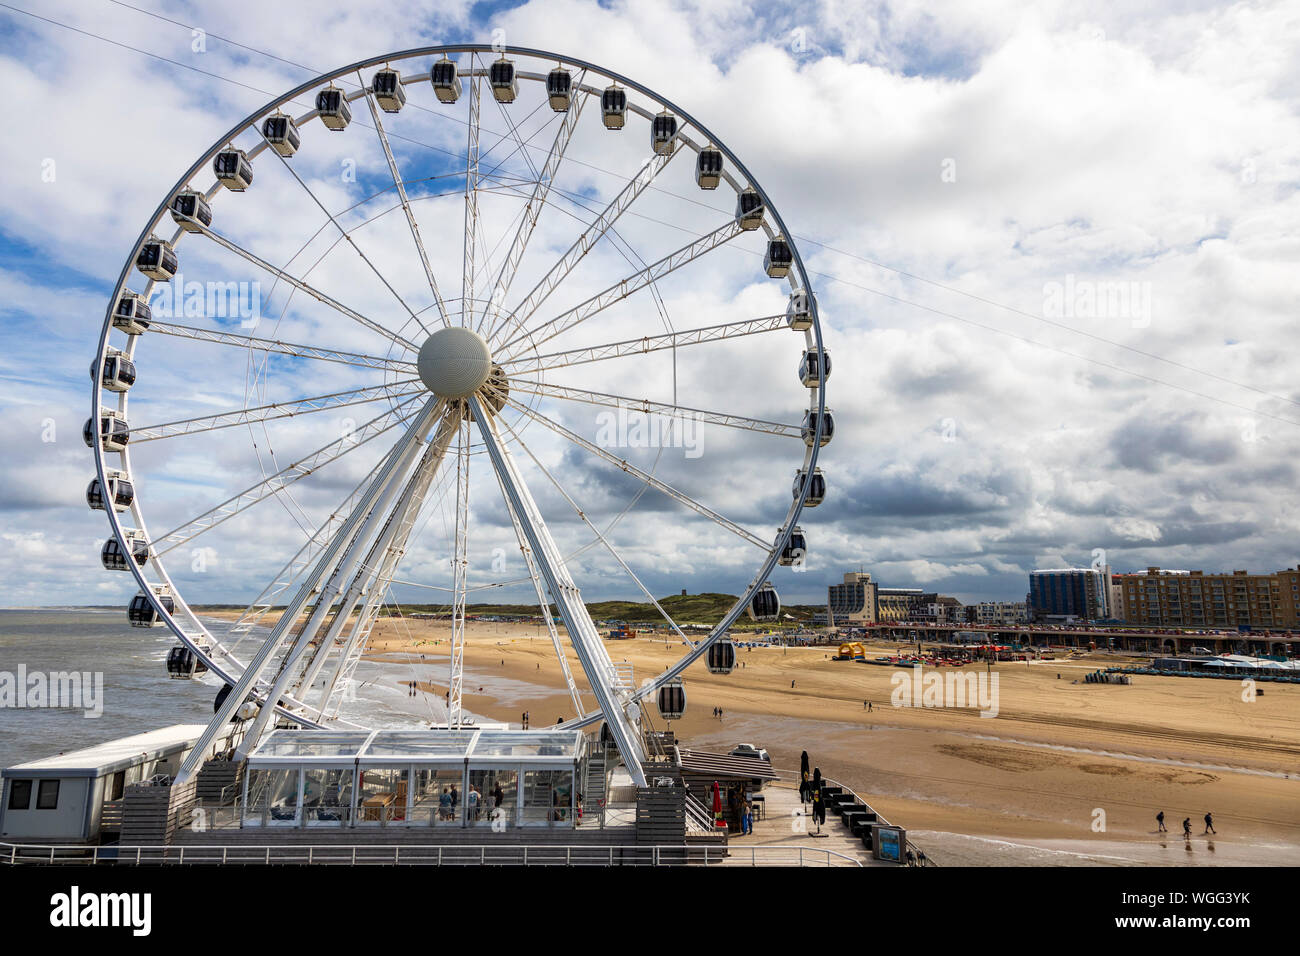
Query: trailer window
{"points": [[47, 795], [20, 794]]}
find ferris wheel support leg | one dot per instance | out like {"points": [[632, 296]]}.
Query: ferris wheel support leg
{"points": [[374, 515], [398, 457], [362, 583], [617, 701]]}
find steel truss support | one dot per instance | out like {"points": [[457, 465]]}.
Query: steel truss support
{"points": [[397, 461], [391, 540], [373, 516]]}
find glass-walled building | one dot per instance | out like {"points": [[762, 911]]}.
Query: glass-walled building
{"points": [[499, 779]]}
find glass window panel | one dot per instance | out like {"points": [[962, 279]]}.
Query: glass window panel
{"points": [[493, 798], [548, 798], [437, 798], [382, 796], [20, 794], [327, 796], [272, 797]]}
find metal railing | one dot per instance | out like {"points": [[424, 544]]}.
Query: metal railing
{"points": [[16, 854]]}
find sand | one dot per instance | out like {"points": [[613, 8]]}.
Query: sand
{"points": [[1065, 773]]}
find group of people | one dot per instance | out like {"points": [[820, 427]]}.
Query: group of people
{"points": [[810, 789], [1187, 825], [740, 804], [717, 712], [449, 800]]}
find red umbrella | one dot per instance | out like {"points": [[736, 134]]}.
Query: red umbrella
{"points": [[717, 803]]}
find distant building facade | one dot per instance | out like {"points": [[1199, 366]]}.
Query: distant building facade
{"points": [[1164, 598], [854, 601], [896, 604], [998, 613], [1082, 593]]}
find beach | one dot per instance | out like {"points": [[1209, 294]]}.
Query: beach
{"points": [[1067, 772]]}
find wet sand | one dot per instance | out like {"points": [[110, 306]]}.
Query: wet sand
{"points": [[1065, 773]]}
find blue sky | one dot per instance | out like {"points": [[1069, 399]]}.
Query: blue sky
{"points": [[941, 168]]}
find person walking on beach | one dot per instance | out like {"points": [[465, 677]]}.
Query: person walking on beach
{"points": [[1160, 822], [1209, 824], [1187, 828]]}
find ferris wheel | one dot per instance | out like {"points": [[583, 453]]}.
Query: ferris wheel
{"points": [[428, 303]]}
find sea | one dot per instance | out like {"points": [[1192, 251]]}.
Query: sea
{"points": [[138, 695]]}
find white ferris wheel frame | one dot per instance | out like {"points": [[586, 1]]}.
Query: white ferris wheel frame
{"points": [[618, 698]]}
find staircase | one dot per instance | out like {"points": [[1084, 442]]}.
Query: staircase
{"points": [[217, 781], [698, 817], [595, 783]]}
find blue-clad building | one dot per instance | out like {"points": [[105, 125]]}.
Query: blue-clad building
{"points": [[1082, 593]]}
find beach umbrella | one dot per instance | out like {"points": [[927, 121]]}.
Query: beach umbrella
{"points": [[717, 803]]}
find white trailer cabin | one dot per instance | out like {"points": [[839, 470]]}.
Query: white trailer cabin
{"points": [[61, 799]]}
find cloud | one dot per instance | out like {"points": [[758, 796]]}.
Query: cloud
{"points": [[942, 168]]}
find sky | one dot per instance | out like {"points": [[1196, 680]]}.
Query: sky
{"points": [[1053, 246]]}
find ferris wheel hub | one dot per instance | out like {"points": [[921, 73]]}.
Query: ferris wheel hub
{"points": [[454, 362]]}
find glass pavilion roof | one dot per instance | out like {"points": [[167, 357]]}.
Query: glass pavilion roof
{"points": [[417, 746]]}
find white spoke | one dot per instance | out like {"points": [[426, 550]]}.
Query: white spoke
{"points": [[348, 236], [650, 343], [636, 472], [406, 205], [680, 412], [302, 286], [368, 585], [603, 540], [358, 359], [590, 236], [302, 559], [543, 602], [264, 413], [532, 211], [471, 201], [626, 286], [460, 569], [613, 690], [281, 479], [359, 638]]}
